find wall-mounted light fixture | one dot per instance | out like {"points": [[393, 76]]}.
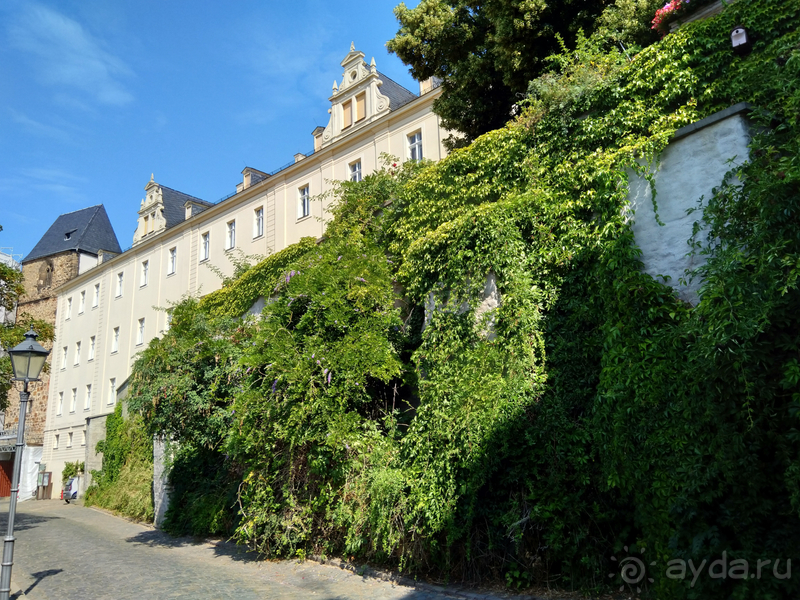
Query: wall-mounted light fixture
{"points": [[740, 40]]}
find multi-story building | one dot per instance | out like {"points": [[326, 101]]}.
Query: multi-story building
{"points": [[179, 236], [74, 244]]}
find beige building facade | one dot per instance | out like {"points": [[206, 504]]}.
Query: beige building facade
{"points": [[108, 313]]}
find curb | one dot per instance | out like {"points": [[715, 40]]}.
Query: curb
{"points": [[461, 592]]}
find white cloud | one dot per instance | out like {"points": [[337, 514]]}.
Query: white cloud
{"points": [[67, 56], [39, 128]]}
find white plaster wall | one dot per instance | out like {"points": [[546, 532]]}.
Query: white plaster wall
{"points": [[688, 169]]}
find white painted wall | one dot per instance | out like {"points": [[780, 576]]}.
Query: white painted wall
{"points": [[688, 169]]}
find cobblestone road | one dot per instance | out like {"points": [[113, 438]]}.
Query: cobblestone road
{"points": [[69, 552]]}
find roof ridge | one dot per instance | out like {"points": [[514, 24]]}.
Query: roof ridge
{"points": [[88, 224], [77, 211]]}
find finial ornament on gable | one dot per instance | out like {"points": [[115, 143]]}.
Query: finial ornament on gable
{"points": [[335, 87], [151, 177], [352, 46], [372, 67]]}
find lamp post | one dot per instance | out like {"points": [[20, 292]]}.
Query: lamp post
{"points": [[27, 360]]}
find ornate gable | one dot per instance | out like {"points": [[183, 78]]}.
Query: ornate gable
{"points": [[151, 212], [356, 100]]}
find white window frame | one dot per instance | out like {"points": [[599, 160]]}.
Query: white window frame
{"points": [[64, 357], [115, 340], [205, 246], [230, 235], [354, 172], [73, 400], [91, 348], [60, 404], [140, 333], [87, 399], [415, 145], [112, 391], [82, 305], [145, 273], [69, 309], [303, 201], [172, 261], [258, 222], [96, 298], [55, 442], [120, 283], [83, 437], [77, 353], [69, 440]]}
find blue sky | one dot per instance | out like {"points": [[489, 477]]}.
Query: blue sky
{"points": [[96, 95]]}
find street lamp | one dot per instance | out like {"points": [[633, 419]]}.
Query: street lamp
{"points": [[27, 361]]}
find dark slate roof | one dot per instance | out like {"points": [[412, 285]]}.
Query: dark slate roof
{"points": [[397, 94], [174, 201], [87, 230]]}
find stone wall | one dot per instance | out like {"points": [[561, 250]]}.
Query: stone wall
{"points": [[95, 431], [40, 301]]}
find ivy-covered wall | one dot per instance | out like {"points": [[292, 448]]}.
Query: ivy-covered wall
{"points": [[605, 412]]}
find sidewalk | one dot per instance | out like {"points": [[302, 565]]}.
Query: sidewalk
{"points": [[69, 551]]}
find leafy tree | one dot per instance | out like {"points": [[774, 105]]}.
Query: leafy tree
{"points": [[485, 52]]}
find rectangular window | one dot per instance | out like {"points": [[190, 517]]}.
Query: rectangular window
{"points": [[169, 320], [83, 437], [146, 224], [145, 270], [361, 106], [96, 298], [173, 260], [55, 442], [91, 348], [347, 109], [355, 171], [82, 305], [64, 358], [69, 308], [112, 390], [60, 403], [140, 334], [115, 341], [73, 400], [303, 202], [69, 440], [258, 222], [77, 353], [415, 146], [205, 246], [87, 399], [230, 235], [119, 284]]}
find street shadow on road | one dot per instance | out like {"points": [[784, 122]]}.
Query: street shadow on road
{"points": [[23, 521], [221, 548], [37, 578]]}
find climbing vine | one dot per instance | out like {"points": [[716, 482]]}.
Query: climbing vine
{"points": [[377, 408]]}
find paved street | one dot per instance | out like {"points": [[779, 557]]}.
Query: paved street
{"points": [[68, 551]]}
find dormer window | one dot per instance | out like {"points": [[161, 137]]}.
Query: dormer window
{"points": [[68, 234]]}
